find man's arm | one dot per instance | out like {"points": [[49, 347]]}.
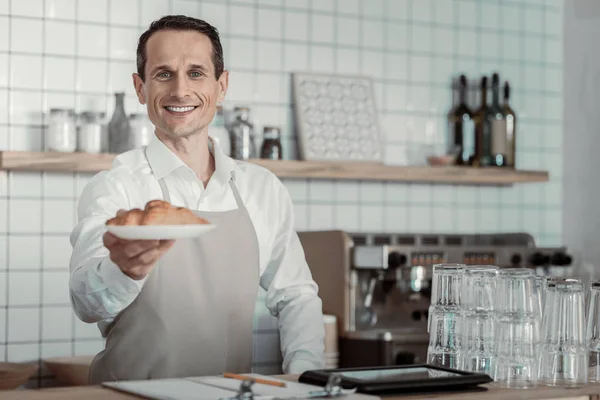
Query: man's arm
{"points": [[99, 289], [292, 295]]}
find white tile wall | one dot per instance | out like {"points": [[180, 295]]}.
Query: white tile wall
{"points": [[76, 53]]}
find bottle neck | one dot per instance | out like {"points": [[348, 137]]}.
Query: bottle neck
{"points": [[484, 97], [495, 96], [120, 105], [462, 95]]}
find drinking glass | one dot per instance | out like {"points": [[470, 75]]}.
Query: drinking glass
{"points": [[592, 333], [444, 348], [446, 285], [478, 319], [444, 322], [564, 357], [517, 329]]}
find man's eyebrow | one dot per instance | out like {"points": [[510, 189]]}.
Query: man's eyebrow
{"points": [[199, 66], [158, 68]]}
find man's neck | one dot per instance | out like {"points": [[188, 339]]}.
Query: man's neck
{"points": [[193, 151]]}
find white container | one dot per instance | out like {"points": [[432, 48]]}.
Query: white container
{"points": [[331, 336], [142, 130], [62, 131], [92, 135]]}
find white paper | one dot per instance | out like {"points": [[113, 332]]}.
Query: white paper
{"points": [[171, 389]]}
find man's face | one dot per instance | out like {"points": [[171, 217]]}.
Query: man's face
{"points": [[180, 90]]}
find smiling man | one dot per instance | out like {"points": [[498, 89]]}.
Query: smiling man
{"points": [[185, 307]]}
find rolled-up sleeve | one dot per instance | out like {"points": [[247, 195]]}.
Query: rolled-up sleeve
{"points": [[292, 294], [99, 290]]}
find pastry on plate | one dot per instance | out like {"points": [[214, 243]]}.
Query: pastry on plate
{"points": [[157, 212]]}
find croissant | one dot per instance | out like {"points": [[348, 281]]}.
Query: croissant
{"points": [[157, 212]]}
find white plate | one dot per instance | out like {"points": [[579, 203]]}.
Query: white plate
{"points": [[159, 232]]}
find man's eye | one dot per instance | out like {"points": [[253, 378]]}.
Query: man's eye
{"points": [[195, 74], [164, 74]]}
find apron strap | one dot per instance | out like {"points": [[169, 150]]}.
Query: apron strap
{"points": [[236, 193], [165, 191]]}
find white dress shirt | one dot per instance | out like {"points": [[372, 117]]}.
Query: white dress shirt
{"points": [[100, 290]]}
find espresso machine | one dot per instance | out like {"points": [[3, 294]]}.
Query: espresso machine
{"points": [[379, 285]]}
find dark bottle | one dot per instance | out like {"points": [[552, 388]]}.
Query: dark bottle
{"points": [[483, 131], [461, 131], [271, 146], [511, 129], [499, 148]]}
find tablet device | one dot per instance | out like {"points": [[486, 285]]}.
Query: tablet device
{"points": [[399, 379]]}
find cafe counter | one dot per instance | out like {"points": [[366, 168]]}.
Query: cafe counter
{"points": [[588, 392]]}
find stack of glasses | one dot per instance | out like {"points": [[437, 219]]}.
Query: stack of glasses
{"points": [[516, 327]]}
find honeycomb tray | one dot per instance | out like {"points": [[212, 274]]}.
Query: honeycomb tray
{"points": [[336, 118]]}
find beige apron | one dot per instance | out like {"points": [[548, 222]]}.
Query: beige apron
{"points": [[194, 314]]}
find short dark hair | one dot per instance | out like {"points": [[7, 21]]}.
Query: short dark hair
{"points": [[181, 23]]}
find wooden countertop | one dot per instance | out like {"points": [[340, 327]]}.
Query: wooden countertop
{"points": [[589, 392]]}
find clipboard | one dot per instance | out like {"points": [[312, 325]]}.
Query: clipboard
{"points": [[221, 388]]}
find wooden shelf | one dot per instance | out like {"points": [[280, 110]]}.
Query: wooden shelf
{"points": [[83, 162]]}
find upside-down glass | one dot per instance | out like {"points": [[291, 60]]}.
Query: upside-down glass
{"points": [[517, 329], [445, 288], [538, 292], [444, 316], [477, 303], [446, 285], [592, 333], [564, 357]]}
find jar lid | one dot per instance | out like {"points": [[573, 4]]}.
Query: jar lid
{"points": [[68, 111], [271, 132], [92, 114], [241, 108], [271, 129], [138, 116]]}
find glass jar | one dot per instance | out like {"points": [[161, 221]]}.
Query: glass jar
{"points": [[141, 131], [242, 135], [218, 132], [92, 137], [271, 146], [62, 131]]}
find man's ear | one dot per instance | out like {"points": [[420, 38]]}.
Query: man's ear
{"points": [[138, 84], [223, 84]]}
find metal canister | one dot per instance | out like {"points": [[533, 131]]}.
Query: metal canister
{"points": [[242, 135]]}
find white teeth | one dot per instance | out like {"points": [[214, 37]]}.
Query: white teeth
{"points": [[179, 109]]}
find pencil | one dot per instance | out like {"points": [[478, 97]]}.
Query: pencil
{"points": [[257, 380]]}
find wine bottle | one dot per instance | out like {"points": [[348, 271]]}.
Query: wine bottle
{"points": [[460, 127], [511, 128], [483, 131], [499, 148]]}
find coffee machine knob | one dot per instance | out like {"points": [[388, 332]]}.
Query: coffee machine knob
{"points": [[537, 259], [561, 259], [516, 259], [396, 259]]}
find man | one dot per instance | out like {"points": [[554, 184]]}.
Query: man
{"points": [[185, 307]]}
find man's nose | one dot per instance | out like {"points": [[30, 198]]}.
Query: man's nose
{"points": [[180, 86]]}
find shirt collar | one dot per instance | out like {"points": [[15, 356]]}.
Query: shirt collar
{"points": [[163, 161]]}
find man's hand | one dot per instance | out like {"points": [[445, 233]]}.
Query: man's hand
{"points": [[135, 258]]}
